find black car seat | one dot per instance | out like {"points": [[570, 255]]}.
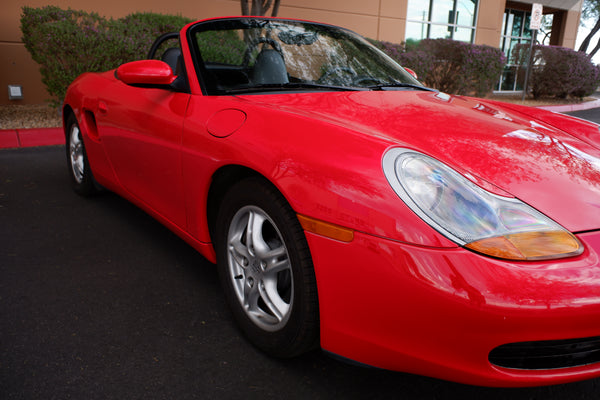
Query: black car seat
{"points": [[269, 68], [172, 56]]}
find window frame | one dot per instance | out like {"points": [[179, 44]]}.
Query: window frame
{"points": [[454, 25], [508, 37]]}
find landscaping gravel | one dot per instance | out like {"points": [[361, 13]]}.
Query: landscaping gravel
{"points": [[29, 116]]}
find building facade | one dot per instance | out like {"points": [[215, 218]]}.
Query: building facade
{"points": [[497, 23]]}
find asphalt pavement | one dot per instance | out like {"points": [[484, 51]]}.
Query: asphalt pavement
{"points": [[592, 114], [99, 301]]}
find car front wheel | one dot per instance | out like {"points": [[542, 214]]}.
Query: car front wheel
{"points": [[79, 168], [266, 269]]}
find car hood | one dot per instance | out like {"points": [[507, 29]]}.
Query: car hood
{"points": [[504, 150]]}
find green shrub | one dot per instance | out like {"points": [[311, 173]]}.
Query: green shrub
{"points": [[562, 72], [449, 65], [482, 67], [221, 47], [67, 43], [421, 63]]}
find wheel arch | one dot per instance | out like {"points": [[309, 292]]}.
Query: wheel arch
{"points": [[300, 331], [222, 179], [66, 113]]}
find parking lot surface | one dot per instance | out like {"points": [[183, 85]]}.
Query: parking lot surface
{"points": [[99, 301]]}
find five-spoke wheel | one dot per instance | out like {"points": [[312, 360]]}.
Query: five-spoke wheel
{"points": [[79, 168], [266, 269], [259, 268], [76, 153]]}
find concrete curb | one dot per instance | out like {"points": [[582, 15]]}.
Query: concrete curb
{"points": [[16, 138], [573, 107]]}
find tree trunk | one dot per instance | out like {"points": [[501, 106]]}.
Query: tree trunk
{"points": [[245, 9], [586, 42], [259, 7], [591, 54], [275, 8]]}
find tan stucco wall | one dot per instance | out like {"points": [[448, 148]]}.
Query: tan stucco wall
{"points": [[378, 19], [392, 21], [17, 68], [569, 34], [489, 22]]}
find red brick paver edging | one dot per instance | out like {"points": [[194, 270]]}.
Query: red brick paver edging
{"points": [[13, 138]]}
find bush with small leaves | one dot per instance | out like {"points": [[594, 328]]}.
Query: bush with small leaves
{"points": [[67, 43], [562, 72], [449, 65]]}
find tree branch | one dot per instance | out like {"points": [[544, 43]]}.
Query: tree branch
{"points": [[266, 5], [586, 42], [595, 50]]}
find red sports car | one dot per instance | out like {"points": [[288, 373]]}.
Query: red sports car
{"points": [[350, 208]]}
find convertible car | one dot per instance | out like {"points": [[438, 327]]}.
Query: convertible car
{"points": [[352, 209]]}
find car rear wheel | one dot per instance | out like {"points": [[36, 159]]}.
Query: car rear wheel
{"points": [[266, 269], [79, 168]]}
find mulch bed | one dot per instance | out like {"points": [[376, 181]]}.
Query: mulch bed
{"points": [[29, 116]]}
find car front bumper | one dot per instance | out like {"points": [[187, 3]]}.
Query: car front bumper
{"points": [[440, 312]]}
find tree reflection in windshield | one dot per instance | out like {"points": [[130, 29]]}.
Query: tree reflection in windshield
{"points": [[249, 53]]}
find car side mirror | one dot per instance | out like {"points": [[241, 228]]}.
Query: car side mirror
{"points": [[413, 73], [146, 73]]}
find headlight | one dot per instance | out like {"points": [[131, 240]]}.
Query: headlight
{"points": [[471, 216]]}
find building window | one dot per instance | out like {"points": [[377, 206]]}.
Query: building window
{"points": [[515, 31], [435, 19]]}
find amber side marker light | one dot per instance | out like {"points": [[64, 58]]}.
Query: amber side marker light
{"points": [[326, 229], [529, 246]]}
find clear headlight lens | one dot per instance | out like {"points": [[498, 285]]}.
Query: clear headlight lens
{"points": [[471, 216]]}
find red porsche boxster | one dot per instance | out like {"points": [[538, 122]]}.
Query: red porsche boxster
{"points": [[350, 208]]}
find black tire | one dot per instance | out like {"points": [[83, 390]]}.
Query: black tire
{"points": [[269, 280], [80, 172]]}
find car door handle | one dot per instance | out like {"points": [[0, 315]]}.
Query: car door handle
{"points": [[102, 107]]}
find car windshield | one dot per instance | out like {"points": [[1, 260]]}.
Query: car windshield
{"points": [[246, 55]]}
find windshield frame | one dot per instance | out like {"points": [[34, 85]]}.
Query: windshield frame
{"points": [[209, 85]]}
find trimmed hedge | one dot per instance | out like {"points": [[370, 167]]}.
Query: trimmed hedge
{"points": [[67, 43], [449, 65], [563, 72]]}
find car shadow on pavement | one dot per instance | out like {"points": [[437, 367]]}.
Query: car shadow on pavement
{"points": [[98, 300]]}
